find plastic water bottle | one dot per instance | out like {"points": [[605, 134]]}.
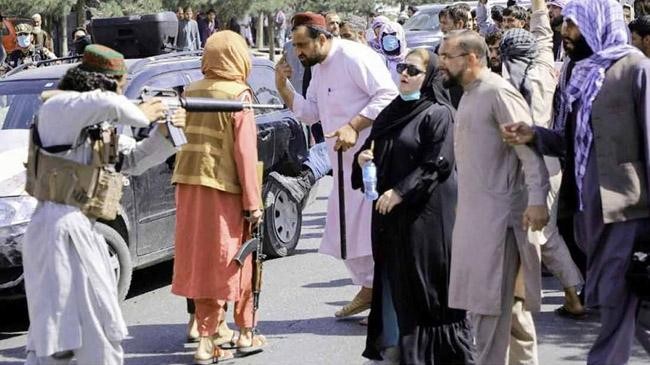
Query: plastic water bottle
{"points": [[369, 171]]}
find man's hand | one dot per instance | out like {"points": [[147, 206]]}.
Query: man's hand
{"points": [[346, 138], [254, 217], [179, 117], [387, 201], [535, 217], [517, 133], [178, 121], [282, 73], [153, 109]]}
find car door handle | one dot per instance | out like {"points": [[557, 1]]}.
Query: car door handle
{"points": [[264, 136]]}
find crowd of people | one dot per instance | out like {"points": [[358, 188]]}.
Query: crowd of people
{"points": [[446, 282], [34, 44], [520, 141]]}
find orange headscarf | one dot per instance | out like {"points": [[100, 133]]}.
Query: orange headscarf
{"points": [[226, 57]]}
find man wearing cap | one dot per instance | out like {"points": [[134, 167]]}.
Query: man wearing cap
{"points": [[349, 87], [70, 286], [26, 51]]}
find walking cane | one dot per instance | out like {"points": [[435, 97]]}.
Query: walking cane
{"points": [[344, 253]]}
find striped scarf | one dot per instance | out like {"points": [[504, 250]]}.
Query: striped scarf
{"points": [[601, 24]]}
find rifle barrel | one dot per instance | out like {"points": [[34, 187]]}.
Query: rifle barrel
{"points": [[194, 104]]}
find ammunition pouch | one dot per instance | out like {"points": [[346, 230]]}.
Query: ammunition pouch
{"points": [[95, 189]]}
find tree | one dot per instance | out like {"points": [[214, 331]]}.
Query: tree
{"points": [[357, 7]]}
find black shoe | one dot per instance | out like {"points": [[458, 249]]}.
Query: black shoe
{"points": [[297, 187]]}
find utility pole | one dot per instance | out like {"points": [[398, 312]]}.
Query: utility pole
{"points": [[260, 30], [64, 30], [271, 22], [81, 12]]}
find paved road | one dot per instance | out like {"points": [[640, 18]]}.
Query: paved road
{"points": [[300, 296]]}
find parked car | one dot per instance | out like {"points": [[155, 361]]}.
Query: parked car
{"points": [[143, 232], [423, 28]]}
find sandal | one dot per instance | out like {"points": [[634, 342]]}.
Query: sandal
{"points": [[225, 342], [257, 345], [219, 356], [564, 312], [222, 355]]}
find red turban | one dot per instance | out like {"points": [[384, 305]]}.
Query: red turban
{"points": [[309, 18]]}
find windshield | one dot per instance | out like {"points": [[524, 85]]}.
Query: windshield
{"points": [[19, 102], [423, 20]]}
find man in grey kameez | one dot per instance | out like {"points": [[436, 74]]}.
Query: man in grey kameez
{"points": [[497, 202], [601, 128], [188, 38], [70, 286]]}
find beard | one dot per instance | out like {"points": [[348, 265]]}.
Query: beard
{"points": [[309, 61], [556, 23], [579, 49], [495, 66], [449, 80]]}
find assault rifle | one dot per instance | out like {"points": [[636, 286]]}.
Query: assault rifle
{"points": [[254, 246], [173, 100]]}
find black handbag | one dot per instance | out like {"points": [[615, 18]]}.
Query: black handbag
{"points": [[638, 274]]}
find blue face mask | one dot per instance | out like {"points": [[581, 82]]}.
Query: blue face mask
{"points": [[410, 96], [389, 43], [24, 41]]}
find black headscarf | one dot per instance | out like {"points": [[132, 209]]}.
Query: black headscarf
{"points": [[400, 112]]}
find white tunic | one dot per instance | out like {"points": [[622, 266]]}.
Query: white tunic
{"points": [[353, 80], [69, 284]]}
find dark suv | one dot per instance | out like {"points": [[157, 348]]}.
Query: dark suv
{"points": [[143, 233]]}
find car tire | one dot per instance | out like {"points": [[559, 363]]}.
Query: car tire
{"points": [[119, 256], [282, 221]]}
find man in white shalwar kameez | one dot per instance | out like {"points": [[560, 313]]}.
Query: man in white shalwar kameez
{"points": [[71, 289], [350, 85]]}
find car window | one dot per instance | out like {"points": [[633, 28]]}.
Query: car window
{"points": [[262, 81], [423, 20], [19, 102], [170, 80]]}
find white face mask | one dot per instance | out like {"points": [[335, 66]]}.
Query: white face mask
{"points": [[24, 41]]}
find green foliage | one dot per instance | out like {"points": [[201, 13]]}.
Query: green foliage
{"points": [[127, 7], [359, 7], [28, 8]]}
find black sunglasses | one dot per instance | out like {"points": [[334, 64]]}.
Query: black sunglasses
{"points": [[411, 70]]}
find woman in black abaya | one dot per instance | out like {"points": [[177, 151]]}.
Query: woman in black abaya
{"points": [[412, 222]]}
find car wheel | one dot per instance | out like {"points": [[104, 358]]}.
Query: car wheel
{"points": [[119, 257], [282, 221]]}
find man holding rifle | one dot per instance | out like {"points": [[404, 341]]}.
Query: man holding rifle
{"points": [[350, 85], [75, 166], [218, 198]]}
